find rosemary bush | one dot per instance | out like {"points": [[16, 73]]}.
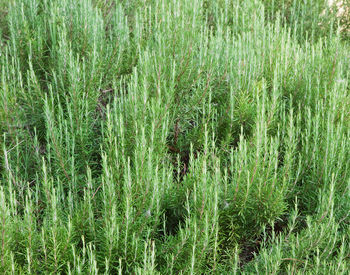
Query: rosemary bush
{"points": [[174, 137]]}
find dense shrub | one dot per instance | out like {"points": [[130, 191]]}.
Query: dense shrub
{"points": [[174, 137]]}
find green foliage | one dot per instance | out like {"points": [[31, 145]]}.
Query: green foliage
{"points": [[174, 137]]}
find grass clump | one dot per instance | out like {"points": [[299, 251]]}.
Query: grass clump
{"points": [[174, 137]]}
